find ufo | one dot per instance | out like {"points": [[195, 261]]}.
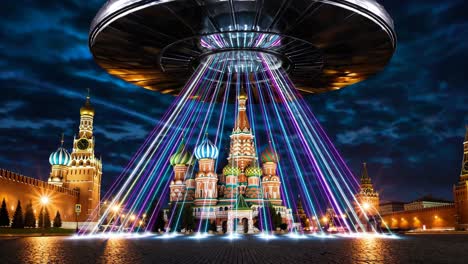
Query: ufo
{"points": [[322, 45]]}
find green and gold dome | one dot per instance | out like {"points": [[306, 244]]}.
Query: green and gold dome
{"points": [[253, 171], [229, 170]]}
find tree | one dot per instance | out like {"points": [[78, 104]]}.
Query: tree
{"points": [[188, 221], [212, 227], [277, 220], [29, 217], [18, 220], [159, 223], [4, 217], [45, 217], [57, 220]]}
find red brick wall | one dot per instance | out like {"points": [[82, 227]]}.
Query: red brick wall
{"points": [[435, 217], [14, 187]]}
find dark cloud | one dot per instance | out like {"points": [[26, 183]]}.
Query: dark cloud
{"points": [[407, 122]]}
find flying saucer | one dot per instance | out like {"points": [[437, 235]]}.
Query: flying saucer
{"points": [[323, 45]]}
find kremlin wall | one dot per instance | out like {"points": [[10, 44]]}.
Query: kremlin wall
{"points": [[25, 189], [75, 179], [425, 213]]}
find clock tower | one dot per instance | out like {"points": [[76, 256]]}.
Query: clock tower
{"points": [[460, 190], [85, 169]]}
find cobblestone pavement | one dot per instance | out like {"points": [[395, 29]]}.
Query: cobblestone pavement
{"points": [[250, 249]]}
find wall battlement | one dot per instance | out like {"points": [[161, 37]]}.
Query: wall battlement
{"points": [[16, 177]]}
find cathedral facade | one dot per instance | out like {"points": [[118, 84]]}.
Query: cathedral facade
{"points": [[74, 179], [234, 197]]}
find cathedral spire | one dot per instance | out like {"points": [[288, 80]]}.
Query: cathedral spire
{"points": [[242, 121], [365, 179]]}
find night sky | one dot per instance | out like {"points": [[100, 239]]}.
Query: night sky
{"points": [[407, 122]]}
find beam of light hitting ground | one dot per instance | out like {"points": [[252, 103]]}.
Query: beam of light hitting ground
{"points": [[310, 164], [330, 168], [113, 208]]}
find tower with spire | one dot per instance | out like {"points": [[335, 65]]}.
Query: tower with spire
{"points": [[242, 147], [85, 171], [460, 190], [367, 199]]}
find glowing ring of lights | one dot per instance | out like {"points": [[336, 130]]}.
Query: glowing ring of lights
{"points": [[355, 37]]}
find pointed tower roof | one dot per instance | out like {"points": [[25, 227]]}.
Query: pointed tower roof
{"points": [[242, 120], [241, 204], [87, 109], [365, 179]]}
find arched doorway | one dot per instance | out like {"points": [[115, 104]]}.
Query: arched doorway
{"points": [[224, 227], [245, 224]]}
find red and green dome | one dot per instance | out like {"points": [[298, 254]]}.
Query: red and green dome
{"points": [[253, 171], [270, 155], [229, 170]]}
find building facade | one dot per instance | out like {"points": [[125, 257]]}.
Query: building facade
{"points": [[75, 178], [234, 197]]}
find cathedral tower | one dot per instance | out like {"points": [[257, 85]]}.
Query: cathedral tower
{"points": [[367, 198], [242, 149], [206, 190], [460, 190], [59, 160], [271, 181], [85, 170], [181, 160]]}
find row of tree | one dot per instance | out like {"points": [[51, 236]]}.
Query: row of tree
{"points": [[28, 219]]}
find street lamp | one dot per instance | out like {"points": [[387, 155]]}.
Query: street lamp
{"points": [[44, 201]]}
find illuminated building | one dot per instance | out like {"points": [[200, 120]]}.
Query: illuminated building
{"points": [[367, 198], [236, 195], [75, 178]]}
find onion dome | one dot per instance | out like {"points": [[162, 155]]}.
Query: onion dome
{"points": [[270, 155], [206, 150], [181, 157], [253, 171], [87, 109], [231, 170], [60, 156]]}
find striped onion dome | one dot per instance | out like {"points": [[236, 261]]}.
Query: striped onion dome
{"points": [[181, 157], [60, 157], [206, 150], [270, 155], [229, 170], [253, 171]]}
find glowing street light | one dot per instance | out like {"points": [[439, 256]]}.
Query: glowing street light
{"points": [[366, 206], [44, 201], [115, 208]]}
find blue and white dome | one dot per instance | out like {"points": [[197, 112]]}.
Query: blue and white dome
{"points": [[206, 150], [60, 157]]}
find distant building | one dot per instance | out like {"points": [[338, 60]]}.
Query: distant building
{"points": [[425, 202], [391, 207], [75, 178], [430, 213]]}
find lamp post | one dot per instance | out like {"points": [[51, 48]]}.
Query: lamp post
{"points": [[44, 202]]}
